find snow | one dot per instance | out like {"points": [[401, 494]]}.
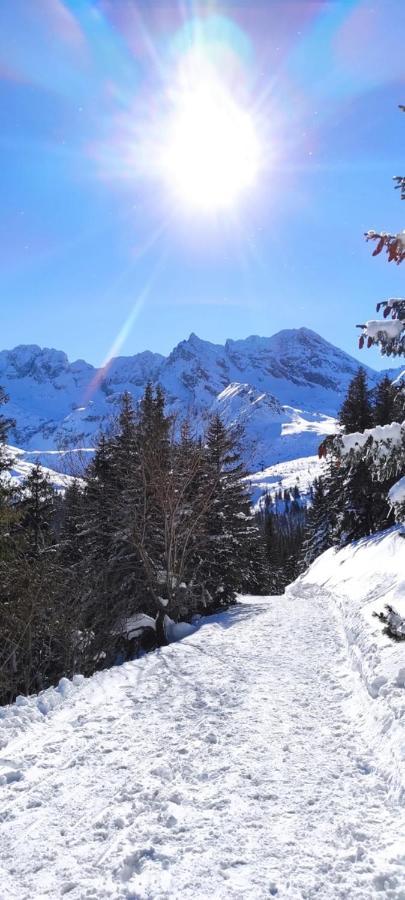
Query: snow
{"points": [[249, 760], [396, 494], [21, 468], [283, 476], [394, 433], [133, 626], [319, 425], [399, 379], [361, 579], [392, 328], [177, 631]]}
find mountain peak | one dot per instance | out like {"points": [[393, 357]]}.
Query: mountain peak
{"points": [[30, 359]]}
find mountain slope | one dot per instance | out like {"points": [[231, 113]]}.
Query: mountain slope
{"points": [[243, 762], [22, 464], [280, 387]]}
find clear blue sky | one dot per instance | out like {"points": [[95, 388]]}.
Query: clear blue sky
{"points": [[94, 252]]}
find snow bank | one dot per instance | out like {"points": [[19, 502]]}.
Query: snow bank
{"points": [[16, 717], [361, 579], [176, 631]]}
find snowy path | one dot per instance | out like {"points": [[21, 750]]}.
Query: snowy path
{"points": [[236, 764]]}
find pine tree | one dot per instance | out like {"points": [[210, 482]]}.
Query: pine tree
{"points": [[385, 407], [318, 535], [356, 413], [70, 537], [234, 548], [5, 423], [363, 502], [284, 529], [399, 403], [37, 509], [108, 569], [6, 491]]}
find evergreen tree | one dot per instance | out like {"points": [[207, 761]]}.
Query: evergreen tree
{"points": [[6, 492], [356, 494], [364, 507], [385, 407], [37, 509], [356, 413], [399, 405], [70, 540], [106, 572], [5, 423], [318, 535], [284, 529], [234, 549]]}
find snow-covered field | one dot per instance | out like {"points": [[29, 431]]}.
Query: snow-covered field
{"points": [[250, 760], [23, 463], [286, 475]]}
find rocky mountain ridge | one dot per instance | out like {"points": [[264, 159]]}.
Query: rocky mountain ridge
{"points": [[285, 390]]}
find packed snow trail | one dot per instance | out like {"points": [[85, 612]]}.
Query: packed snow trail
{"points": [[235, 764]]}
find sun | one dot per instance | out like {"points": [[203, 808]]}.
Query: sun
{"points": [[211, 155]]}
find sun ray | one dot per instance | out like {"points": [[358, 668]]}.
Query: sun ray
{"points": [[125, 329]]}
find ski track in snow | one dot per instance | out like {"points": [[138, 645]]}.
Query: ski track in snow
{"points": [[235, 764]]}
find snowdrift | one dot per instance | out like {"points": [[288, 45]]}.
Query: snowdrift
{"points": [[360, 579]]}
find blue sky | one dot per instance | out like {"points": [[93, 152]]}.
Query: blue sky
{"points": [[95, 254]]}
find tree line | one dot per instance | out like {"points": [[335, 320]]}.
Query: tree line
{"points": [[349, 501], [159, 525]]}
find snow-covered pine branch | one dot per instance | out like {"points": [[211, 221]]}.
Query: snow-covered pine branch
{"points": [[393, 244], [389, 336], [394, 623]]}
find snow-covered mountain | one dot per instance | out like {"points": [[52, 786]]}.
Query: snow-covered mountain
{"points": [[22, 464], [284, 389]]}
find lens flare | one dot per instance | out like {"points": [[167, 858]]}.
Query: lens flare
{"points": [[211, 155]]}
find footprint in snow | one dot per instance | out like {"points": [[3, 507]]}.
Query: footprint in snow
{"points": [[11, 776]]}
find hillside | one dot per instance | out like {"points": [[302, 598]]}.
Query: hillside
{"points": [[285, 390], [250, 760], [22, 464]]}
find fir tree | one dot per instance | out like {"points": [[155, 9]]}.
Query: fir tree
{"points": [[356, 413], [385, 407], [283, 523], [6, 491], [318, 535], [234, 549], [37, 510]]}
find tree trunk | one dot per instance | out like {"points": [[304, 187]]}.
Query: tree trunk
{"points": [[161, 638]]}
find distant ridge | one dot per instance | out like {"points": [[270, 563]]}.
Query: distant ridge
{"points": [[285, 390]]}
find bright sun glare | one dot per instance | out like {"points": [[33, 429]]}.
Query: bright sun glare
{"points": [[212, 151]]}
